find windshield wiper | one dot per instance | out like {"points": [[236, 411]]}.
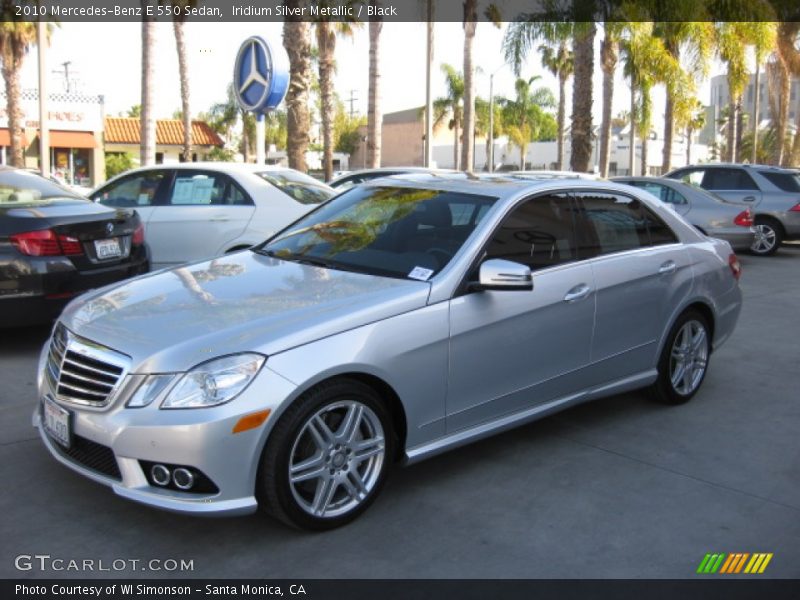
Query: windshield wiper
{"points": [[314, 261]]}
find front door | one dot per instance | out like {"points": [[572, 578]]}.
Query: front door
{"points": [[511, 350]]}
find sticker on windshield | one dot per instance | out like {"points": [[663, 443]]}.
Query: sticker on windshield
{"points": [[420, 273]]}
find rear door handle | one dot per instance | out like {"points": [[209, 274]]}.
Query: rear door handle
{"points": [[579, 292], [749, 199], [219, 219], [668, 267]]}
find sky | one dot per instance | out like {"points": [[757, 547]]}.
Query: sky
{"points": [[105, 59]]}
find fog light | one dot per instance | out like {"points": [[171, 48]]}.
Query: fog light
{"points": [[160, 475], [183, 478]]}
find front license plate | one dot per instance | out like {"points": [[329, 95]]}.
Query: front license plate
{"points": [[57, 422], [107, 248]]}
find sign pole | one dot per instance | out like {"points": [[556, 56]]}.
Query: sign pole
{"points": [[261, 139]]}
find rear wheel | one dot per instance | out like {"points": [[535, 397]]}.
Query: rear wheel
{"points": [[327, 457], [768, 237], [684, 359]]}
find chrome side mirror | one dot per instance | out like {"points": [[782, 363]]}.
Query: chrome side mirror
{"points": [[498, 274]]}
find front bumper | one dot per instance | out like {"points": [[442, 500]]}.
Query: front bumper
{"points": [[200, 438]]}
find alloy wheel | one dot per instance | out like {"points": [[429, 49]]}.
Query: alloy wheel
{"points": [[336, 459], [765, 239], [688, 357]]}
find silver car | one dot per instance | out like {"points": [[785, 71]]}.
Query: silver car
{"points": [[350, 178], [711, 214], [403, 318], [772, 193]]}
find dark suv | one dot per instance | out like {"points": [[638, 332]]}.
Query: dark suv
{"points": [[772, 193]]}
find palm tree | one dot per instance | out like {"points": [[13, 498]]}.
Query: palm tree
{"points": [[733, 38], [468, 139], [646, 63], [147, 124], [582, 99], [558, 59], [16, 38], [178, 24], [789, 57], [523, 117], [696, 122], [297, 41], [690, 43], [451, 105], [609, 54], [374, 115], [327, 31]]}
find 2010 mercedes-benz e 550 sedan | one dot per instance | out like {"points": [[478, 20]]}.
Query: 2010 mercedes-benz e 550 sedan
{"points": [[403, 318]]}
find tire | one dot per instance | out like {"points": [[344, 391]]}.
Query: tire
{"points": [[317, 473], [769, 237], [688, 346]]}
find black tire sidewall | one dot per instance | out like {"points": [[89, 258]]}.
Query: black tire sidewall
{"points": [[273, 488]]}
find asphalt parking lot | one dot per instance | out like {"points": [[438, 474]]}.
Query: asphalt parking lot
{"points": [[618, 488]]}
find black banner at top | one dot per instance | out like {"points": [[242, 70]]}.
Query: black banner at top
{"points": [[397, 10]]}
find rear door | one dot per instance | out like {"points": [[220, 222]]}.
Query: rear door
{"points": [[141, 190], [201, 212], [733, 184], [641, 273]]}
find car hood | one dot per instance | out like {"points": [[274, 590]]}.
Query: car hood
{"points": [[171, 320]]}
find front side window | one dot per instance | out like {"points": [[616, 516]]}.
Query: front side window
{"points": [[136, 190], [391, 231], [617, 223], [691, 177], [540, 233]]}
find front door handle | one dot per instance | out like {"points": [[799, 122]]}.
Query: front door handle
{"points": [[668, 267], [219, 219], [579, 292], [749, 199]]}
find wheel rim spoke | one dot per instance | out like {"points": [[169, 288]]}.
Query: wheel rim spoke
{"points": [[311, 468], [367, 449], [351, 423], [323, 495], [321, 433]]}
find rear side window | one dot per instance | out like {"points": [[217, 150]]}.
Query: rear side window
{"points": [[540, 233], [616, 223], [788, 182], [205, 188], [728, 179], [664, 193], [691, 177]]}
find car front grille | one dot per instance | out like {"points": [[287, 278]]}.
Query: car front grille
{"points": [[82, 372], [93, 456]]}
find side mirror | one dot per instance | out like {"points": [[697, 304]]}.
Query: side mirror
{"points": [[498, 274]]}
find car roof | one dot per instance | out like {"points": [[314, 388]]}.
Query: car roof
{"points": [[760, 167], [488, 184], [215, 166]]}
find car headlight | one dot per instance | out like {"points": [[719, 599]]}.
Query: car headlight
{"points": [[149, 390], [214, 382]]}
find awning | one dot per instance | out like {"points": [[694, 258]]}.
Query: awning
{"points": [[72, 139], [5, 138]]}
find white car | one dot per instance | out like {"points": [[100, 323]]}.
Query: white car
{"points": [[196, 211]]}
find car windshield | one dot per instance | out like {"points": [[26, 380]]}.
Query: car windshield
{"points": [[304, 189], [788, 182], [390, 231], [19, 188]]}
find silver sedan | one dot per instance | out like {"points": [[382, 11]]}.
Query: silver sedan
{"points": [[406, 317], [709, 213]]}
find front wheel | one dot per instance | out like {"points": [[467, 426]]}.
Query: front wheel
{"points": [[327, 457], [684, 359], [768, 237]]}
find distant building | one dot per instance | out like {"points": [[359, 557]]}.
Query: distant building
{"points": [[720, 97], [123, 134]]}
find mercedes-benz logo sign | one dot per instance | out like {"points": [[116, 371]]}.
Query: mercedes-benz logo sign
{"points": [[109, 228], [253, 73]]}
